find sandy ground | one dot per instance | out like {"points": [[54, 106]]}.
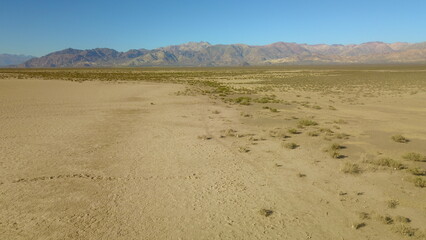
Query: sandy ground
{"points": [[98, 160]]}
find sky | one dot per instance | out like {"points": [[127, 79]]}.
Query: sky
{"points": [[38, 27]]}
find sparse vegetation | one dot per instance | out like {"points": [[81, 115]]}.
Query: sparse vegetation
{"points": [[313, 134], [340, 121], [342, 136], [419, 182], [392, 203], [266, 212], [389, 162], [228, 133], [333, 150], [243, 100], [402, 219], [290, 145], [364, 215], [243, 149], [306, 123], [246, 115], [344, 88], [400, 139], [358, 225], [351, 168], [412, 156], [293, 131], [404, 230], [385, 219], [418, 171]]}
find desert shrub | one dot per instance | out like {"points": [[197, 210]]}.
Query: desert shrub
{"points": [[402, 219], [290, 145], [399, 138], [419, 182], [342, 136], [351, 168], [358, 225], [266, 212], [333, 150], [404, 230], [364, 215], [389, 162], [243, 100], [313, 134], [385, 219], [392, 203], [306, 123], [412, 156], [243, 149], [418, 171], [293, 131], [340, 121]]}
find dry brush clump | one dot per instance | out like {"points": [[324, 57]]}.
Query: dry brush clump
{"points": [[293, 131], [400, 139], [333, 150], [402, 219], [313, 133], [278, 133], [388, 162], [419, 182], [404, 230], [392, 203], [351, 168], [266, 212], [290, 145], [412, 156], [418, 171], [385, 219], [306, 123], [364, 215], [358, 225]]}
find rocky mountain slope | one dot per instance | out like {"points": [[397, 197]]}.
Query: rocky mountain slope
{"points": [[206, 54]]}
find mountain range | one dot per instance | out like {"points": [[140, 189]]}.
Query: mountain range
{"points": [[12, 59], [206, 54]]}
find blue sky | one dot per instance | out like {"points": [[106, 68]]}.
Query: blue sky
{"points": [[38, 27]]}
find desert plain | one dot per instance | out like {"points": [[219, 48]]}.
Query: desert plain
{"points": [[295, 152]]}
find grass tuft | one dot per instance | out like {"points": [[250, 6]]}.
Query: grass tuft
{"points": [[392, 203], [351, 168]]}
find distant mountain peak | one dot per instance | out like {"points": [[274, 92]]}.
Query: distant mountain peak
{"points": [[13, 59], [206, 54]]}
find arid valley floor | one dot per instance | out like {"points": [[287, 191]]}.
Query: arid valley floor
{"points": [[213, 153]]}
